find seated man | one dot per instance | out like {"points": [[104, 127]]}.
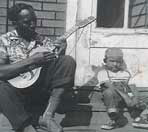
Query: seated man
{"points": [[113, 81], [57, 73]]}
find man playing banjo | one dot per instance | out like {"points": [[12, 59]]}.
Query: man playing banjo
{"points": [[57, 73]]}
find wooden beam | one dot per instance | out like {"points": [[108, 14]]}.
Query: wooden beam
{"points": [[126, 12]]}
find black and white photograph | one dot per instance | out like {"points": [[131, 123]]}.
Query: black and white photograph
{"points": [[73, 65]]}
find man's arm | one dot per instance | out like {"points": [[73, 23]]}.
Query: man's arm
{"points": [[8, 71]]}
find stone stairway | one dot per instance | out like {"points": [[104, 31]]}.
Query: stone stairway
{"points": [[84, 115]]}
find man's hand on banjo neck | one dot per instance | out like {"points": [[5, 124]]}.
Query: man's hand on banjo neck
{"points": [[43, 55], [40, 58]]}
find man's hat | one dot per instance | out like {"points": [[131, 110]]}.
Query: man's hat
{"points": [[114, 52]]}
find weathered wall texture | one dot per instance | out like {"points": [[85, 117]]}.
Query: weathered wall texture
{"points": [[3, 12], [87, 45], [93, 42], [51, 15]]}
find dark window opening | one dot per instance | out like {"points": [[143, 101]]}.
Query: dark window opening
{"points": [[110, 13]]}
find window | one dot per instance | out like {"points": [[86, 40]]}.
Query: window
{"points": [[138, 14], [110, 13]]}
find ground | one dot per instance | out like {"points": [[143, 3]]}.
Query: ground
{"points": [[85, 116], [80, 122]]}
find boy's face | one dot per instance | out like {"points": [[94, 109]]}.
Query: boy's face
{"points": [[114, 64]]}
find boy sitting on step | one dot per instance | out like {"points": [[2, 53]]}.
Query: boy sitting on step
{"points": [[113, 81]]}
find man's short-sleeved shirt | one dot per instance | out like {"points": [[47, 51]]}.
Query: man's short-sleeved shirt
{"points": [[14, 48], [107, 75]]}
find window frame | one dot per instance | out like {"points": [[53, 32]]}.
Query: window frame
{"points": [[123, 30]]}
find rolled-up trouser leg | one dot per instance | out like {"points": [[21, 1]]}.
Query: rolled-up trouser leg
{"points": [[140, 108], [111, 100], [12, 107]]}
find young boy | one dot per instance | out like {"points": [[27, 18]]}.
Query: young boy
{"points": [[113, 81]]}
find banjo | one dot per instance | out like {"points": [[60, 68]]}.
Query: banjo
{"points": [[27, 79]]}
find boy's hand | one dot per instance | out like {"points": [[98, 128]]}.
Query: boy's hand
{"points": [[106, 84]]}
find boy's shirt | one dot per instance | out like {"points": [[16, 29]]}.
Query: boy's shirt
{"points": [[119, 79], [108, 76]]}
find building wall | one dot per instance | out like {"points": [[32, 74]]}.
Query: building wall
{"points": [[93, 41], [51, 15], [3, 12]]}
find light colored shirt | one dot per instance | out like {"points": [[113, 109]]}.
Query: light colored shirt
{"points": [[14, 48], [107, 75]]}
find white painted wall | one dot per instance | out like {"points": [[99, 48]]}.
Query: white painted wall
{"points": [[92, 42]]}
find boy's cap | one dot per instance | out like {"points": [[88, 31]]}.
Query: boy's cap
{"points": [[114, 52]]}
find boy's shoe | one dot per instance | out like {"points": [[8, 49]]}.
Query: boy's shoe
{"points": [[139, 122], [109, 126]]}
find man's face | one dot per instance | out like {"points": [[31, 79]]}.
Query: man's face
{"points": [[114, 64], [26, 23]]}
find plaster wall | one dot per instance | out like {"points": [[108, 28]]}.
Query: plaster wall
{"points": [[92, 42]]}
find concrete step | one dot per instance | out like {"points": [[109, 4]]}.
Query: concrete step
{"points": [[79, 121], [85, 115]]}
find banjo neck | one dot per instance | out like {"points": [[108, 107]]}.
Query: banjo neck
{"points": [[29, 78]]}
